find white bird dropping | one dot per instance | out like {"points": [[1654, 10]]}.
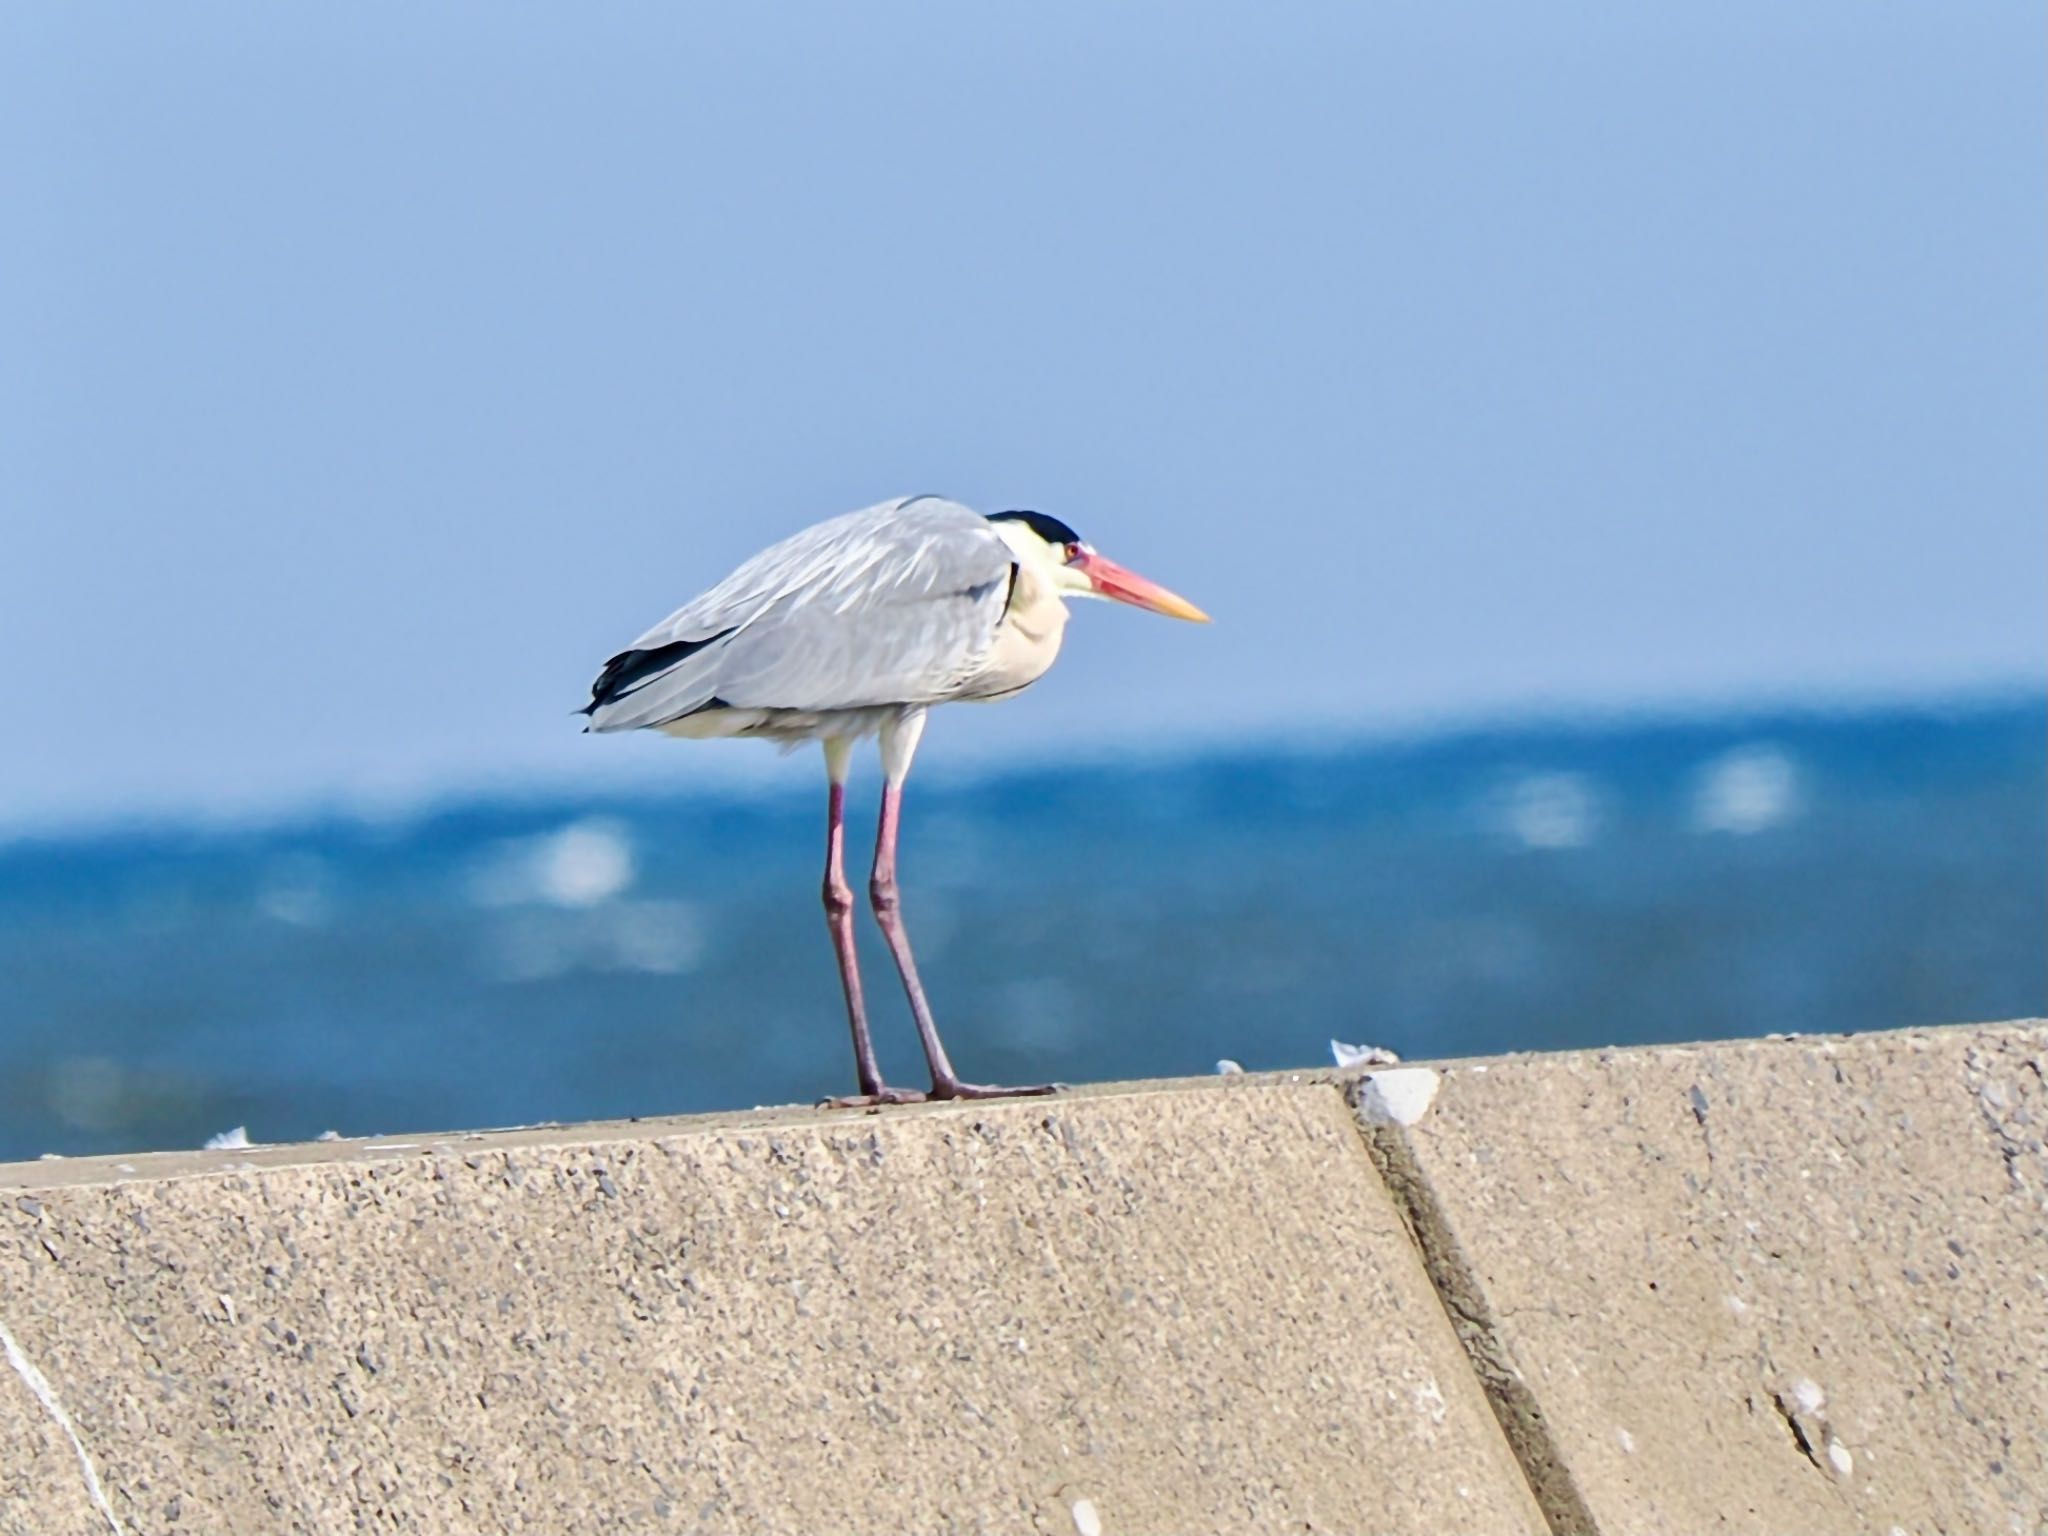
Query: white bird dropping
{"points": [[1401, 1096]]}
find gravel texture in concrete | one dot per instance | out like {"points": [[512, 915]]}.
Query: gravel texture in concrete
{"points": [[1756, 1286], [1194, 1309]]}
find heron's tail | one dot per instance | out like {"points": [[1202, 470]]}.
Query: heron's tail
{"points": [[649, 687]]}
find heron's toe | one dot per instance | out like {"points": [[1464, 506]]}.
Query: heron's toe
{"points": [[882, 1095], [991, 1090]]}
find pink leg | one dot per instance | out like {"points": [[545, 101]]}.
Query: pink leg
{"points": [[888, 903], [839, 918]]}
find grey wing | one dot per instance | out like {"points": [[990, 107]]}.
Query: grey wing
{"points": [[895, 604]]}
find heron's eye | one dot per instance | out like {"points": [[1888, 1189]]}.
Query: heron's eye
{"points": [[1075, 551]]}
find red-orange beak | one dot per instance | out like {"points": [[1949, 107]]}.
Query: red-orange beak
{"points": [[1120, 585]]}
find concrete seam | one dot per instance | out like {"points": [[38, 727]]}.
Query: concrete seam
{"points": [[45, 1394], [1463, 1297]]}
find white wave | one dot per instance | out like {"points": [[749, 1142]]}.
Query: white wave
{"points": [[660, 938], [1041, 1012], [88, 1091], [664, 938], [581, 865], [1551, 810], [1748, 790], [297, 891]]}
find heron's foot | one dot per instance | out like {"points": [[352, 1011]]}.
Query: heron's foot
{"points": [[954, 1089], [882, 1094]]}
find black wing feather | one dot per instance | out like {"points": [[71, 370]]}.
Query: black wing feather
{"points": [[634, 669]]}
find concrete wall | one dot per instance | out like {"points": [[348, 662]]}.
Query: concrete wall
{"points": [[1756, 1286]]}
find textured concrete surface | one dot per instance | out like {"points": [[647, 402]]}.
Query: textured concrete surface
{"points": [[1755, 1286], [42, 1487], [1182, 1310]]}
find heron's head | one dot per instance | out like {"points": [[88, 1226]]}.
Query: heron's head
{"points": [[1062, 557]]}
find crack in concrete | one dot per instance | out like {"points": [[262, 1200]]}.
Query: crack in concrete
{"points": [[39, 1384], [1464, 1301], [1697, 1098], [1808, 1447]]}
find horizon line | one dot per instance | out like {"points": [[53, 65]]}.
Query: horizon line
{"points": [[776, 776]]}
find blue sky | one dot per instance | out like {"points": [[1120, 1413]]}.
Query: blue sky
{"points": [[369, 373]]}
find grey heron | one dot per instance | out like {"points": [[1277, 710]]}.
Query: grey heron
{"points": [[855, 627]]}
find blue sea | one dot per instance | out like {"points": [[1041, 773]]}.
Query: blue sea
{"points": [[510, 960]]}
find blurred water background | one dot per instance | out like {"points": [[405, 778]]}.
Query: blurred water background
{"points": [[372, 372], [503, 960]]}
